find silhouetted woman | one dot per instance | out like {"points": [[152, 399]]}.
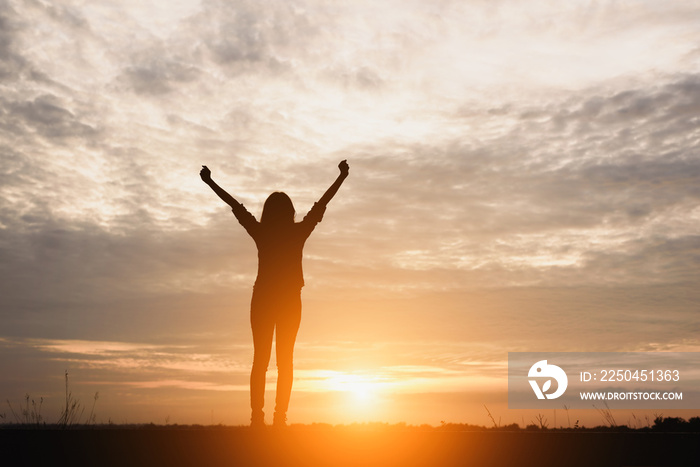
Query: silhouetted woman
{"points": [[276, 302]]}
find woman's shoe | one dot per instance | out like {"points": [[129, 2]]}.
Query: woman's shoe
{"points": [[279, 420], [257, 421]]}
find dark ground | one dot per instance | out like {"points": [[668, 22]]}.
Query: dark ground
{"points": [[341, 446]]}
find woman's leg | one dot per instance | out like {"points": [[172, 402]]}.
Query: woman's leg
{"points": [[262, 323], [288, 321]]}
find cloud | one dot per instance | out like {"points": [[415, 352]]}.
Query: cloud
{"points": [[47, 116], [158, 76], [246, 34], [11, 62], [543, 202]]}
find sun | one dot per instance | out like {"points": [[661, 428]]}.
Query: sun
{"points": [[357, 395], [361, 388]]}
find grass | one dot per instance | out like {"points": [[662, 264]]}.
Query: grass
{"points": [[541, 422], [493, 420], [74, 410], [666, 441], [29, 413], [607, 415]]}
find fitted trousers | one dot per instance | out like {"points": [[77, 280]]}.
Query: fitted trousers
{"points": [[273, 311]]}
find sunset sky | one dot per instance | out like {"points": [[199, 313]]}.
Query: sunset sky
{"points": [[524, 176]]}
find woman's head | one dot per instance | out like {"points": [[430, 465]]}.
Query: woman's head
{"points": [[278, 209]]}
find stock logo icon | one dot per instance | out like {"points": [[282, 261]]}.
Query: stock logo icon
{"points": [[552, 372]]}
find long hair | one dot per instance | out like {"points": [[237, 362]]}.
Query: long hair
{"points": [[278, 209]]}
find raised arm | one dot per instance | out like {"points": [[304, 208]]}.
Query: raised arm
{"points": [[205, 173], [330, 192]]}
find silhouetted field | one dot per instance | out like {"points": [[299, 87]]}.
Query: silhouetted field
{"points": [[362, 445]]}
